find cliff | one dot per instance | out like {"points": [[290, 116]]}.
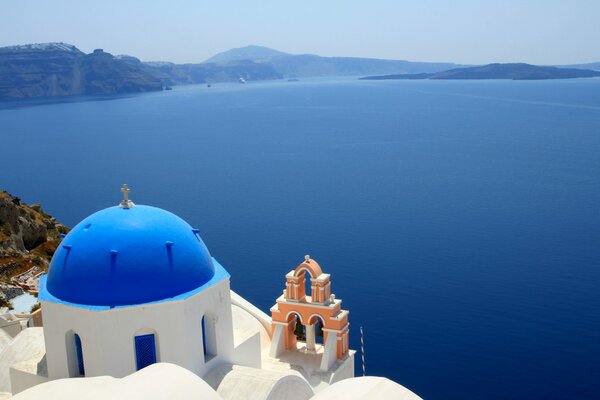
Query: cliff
{"points": [[59, 69], [177, 74], [28, 239]]}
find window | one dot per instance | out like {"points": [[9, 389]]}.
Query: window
{"points": [[209, 338], [79, 354], [145, 351], [203, 337]]}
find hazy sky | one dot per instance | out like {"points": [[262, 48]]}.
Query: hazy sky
{"points": [[463, 31]]}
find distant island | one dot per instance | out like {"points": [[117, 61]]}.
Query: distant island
{"points": [[516, 71], [60, 70], [310, 65]]}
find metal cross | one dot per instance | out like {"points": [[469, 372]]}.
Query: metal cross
{"points": [[126, 203], [125, 191]]}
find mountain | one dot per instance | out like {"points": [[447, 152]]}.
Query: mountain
{"points": [[498, 71], [308, 65], [212, 72], [252, 52], [593, 66], [178, 74], [311, 65], [60, 69]]}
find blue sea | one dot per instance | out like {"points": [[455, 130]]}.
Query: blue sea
{"points": [[459, 220]]}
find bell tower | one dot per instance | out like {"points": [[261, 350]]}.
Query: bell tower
{"points": [[299, 317]]}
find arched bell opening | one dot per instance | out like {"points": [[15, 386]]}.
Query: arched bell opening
{"points": [[306, 272], [297, 327], [307, 279], [314, 332], [319, 324]]}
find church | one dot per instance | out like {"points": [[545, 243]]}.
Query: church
{"points": [[135, 306]]}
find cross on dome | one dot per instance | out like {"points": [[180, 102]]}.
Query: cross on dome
{"points": [[126, 203]]}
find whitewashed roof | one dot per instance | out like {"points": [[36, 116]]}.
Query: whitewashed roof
{"points": [[157, 381]]}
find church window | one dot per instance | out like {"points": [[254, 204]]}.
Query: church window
{"points": [[209, 338], [79, 354], [145, 350]]}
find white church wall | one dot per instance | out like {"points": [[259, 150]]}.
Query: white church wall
{"points": [[22, 380], [11, 327], [261, 316], [278, 341], [60, 322], [250, 338], [108, 336], [248, 353], [330, 352], [214, 304], [192, 339], [345, 370]]}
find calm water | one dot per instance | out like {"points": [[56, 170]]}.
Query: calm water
{"points": [[23, 303], [460, 220]]}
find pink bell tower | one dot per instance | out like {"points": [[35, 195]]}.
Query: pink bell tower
{"points": [[320, 308]]}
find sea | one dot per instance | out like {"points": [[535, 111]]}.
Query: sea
{"points": [[459, 220]]}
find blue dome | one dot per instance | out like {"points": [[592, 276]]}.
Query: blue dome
{"points": [[126, 256]]}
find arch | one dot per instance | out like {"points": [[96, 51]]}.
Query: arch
{"points": [[317, 322], [146, 331], [79, 353], [209, 337], [296, 327], [299, 329], [315, 317], [306, 278], [314, 271], [74, 353], [273, 384], [311, 266], [145, 342], [289, 319]]}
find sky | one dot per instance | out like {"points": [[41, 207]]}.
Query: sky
{"points": [[461, 31]]}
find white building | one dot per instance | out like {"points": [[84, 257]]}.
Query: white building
{"points": [[132, 286]]}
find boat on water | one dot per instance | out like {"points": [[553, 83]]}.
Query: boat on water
{"points": [[242, 80]]}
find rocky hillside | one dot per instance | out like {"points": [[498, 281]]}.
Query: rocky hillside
{"points": [[28, 239], [59, 69], [178, 74]]}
